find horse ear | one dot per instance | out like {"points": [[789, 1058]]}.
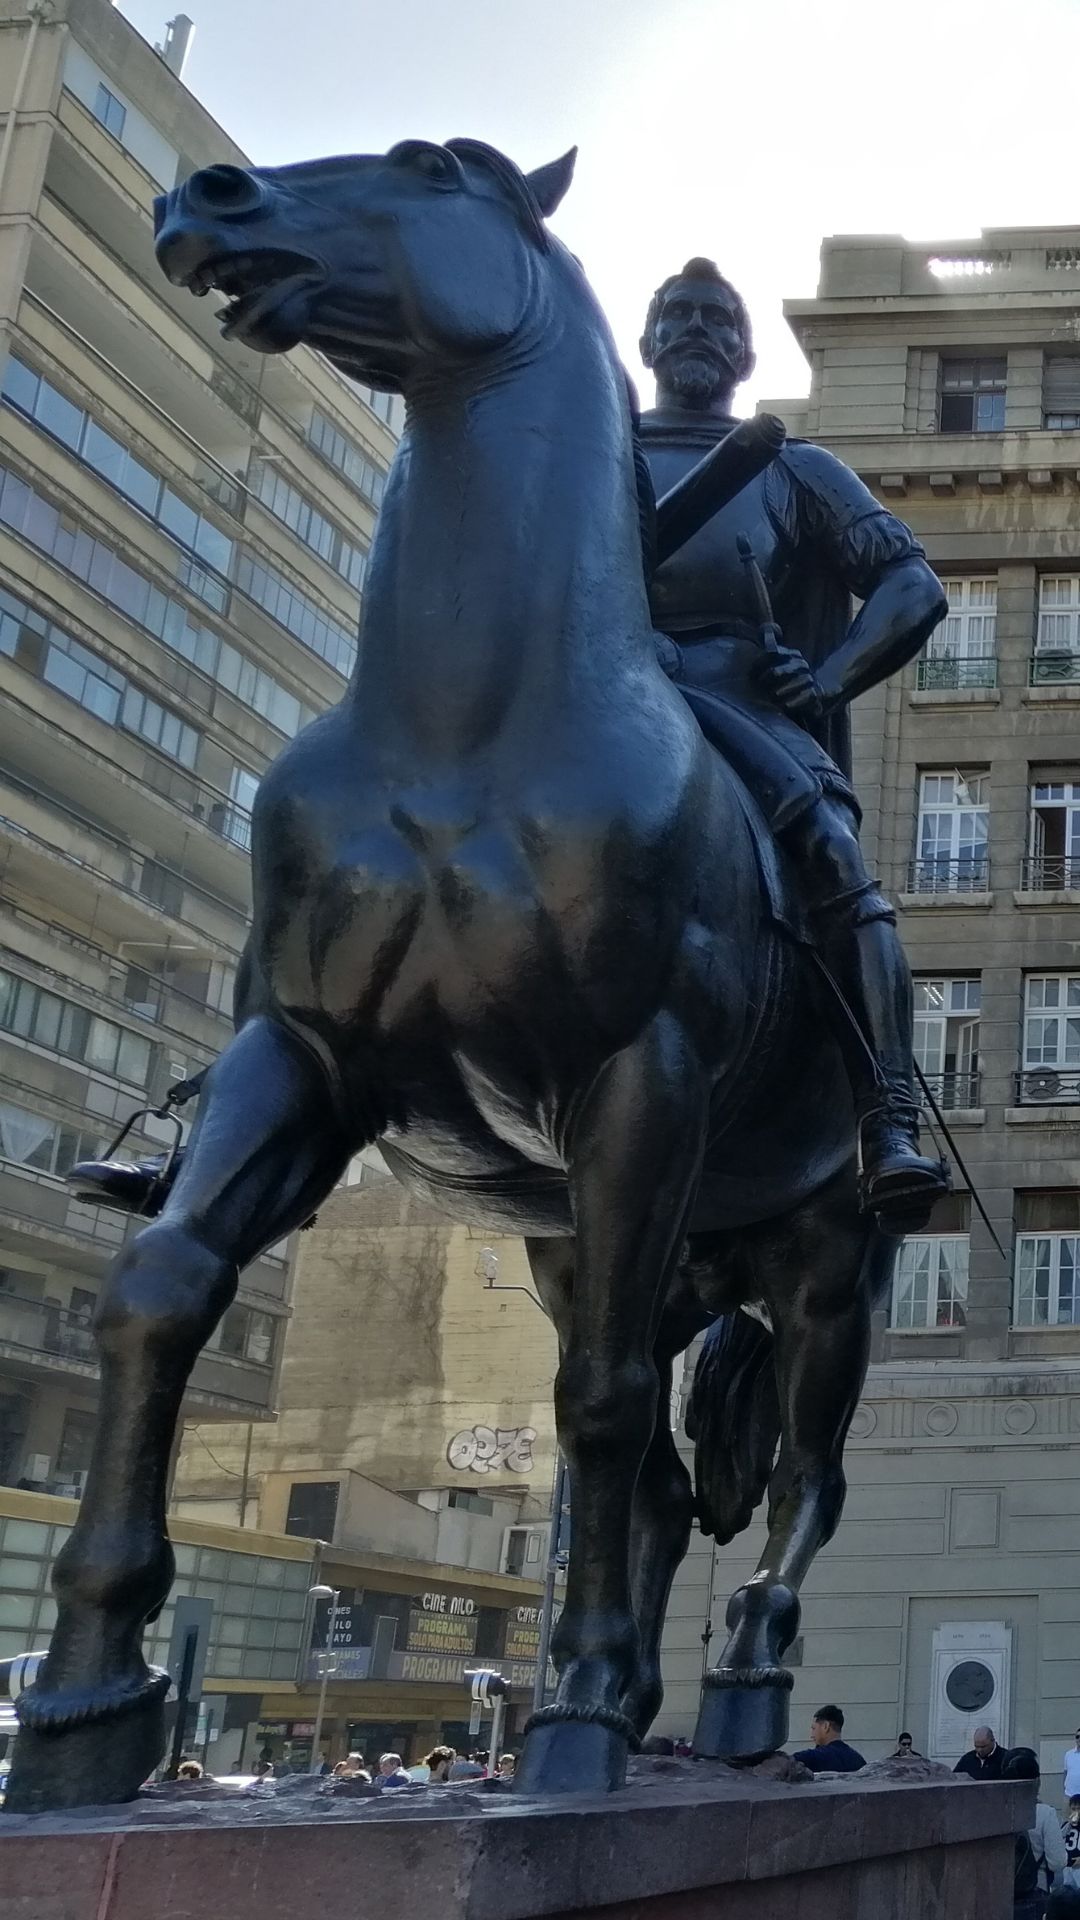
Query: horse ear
{"points": [[551, 182]]}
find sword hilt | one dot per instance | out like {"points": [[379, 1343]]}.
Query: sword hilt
{"points": [[770, 635]]}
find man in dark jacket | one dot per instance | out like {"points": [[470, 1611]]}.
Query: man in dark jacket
{"points": [[985, 1759], [829, 1753]]}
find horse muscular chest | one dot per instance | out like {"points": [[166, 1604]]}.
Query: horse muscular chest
{"points": [[449, 902]]}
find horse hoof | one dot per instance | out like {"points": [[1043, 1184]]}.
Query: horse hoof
{"points": [[572, 1756], [743, 1715], [59, 1710], [97, 1763]]}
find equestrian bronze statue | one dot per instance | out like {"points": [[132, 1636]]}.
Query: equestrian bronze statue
{"points": [[517, 920]]}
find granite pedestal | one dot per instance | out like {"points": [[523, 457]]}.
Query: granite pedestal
{"points": [[671, 1848]]}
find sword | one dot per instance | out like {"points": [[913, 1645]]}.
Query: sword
{"points": [[769, 633]]}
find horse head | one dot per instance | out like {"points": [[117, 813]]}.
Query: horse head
{"points": [[388, 263]]}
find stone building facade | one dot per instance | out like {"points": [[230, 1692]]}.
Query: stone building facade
{"points": [[949, 378], [184, 527]]}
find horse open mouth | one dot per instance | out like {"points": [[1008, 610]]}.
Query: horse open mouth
{"points": [[268, 292]]}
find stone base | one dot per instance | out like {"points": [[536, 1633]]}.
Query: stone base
{"points": [[749, 1849]]}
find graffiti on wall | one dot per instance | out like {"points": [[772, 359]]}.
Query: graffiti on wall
{"points": [[489, 1449]]}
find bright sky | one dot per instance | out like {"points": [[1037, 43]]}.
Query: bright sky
{"points": [[741, 129]]}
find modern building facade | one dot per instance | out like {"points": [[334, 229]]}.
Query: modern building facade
{"points": [[406, 1631], [949, 378], [184, 528]]}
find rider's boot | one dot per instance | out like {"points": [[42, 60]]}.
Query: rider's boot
{"points": [[898, 1183], [141, 1187]]}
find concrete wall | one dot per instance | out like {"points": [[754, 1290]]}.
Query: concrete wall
{"points": [[402, 1365]]}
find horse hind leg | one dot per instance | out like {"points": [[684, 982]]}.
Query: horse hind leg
{"points": [[266, 1148], [820, 1272], [663, 1518]]}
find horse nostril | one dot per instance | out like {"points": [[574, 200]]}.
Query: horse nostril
{"points": [[223, 191]]}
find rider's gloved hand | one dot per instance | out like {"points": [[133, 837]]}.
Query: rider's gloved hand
{"points": [[791, 682]]}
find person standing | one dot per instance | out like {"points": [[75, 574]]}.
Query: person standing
{"points": [[829, 1753], [1041, 1854], [1070, 1764], [438, 1763], [984, 1759], [391, 1772]]}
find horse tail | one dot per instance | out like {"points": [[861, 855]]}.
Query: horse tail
{"points": [[734, 1421]]}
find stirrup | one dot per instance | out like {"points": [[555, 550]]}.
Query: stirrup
{"points": [[159, 1178]]}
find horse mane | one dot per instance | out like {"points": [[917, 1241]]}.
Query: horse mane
{"points": [[511, 179], [515, 184]]}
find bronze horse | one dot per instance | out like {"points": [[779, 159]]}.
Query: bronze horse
{"points": [[517, 922]]}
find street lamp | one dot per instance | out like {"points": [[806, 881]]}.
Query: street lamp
{"points": [[487, 1270], [333, 1594]]}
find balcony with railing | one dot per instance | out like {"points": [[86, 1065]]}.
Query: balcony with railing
{"points": [[1048, 1086], [934, 873], [1055, 667], [954, 672], [44, 1331], [42, 1335], [954, 1090], [1050, 873]]}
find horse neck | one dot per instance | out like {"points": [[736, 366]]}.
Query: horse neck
{"points": [[506, 578]]}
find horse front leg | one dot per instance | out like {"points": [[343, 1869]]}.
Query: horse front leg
{"points": [[265, 1150], [820, 1276], [634, 1162]]}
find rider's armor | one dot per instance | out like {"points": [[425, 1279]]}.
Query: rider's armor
{"points": [[819, 538]]}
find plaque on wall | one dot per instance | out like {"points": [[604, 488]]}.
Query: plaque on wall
{"points": [[970, 1674]]}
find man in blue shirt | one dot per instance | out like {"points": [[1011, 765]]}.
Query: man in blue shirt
{"points": [[829, 1754], [391, 1772]]}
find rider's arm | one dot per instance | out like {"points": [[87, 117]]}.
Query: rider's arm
{"points": [[881, 564], [896, 620]]}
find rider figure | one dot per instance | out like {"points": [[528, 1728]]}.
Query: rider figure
{"points": [[780, 716]]}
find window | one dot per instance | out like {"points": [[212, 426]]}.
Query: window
{"points": [[308, 524], [32, 394], [368, 478], [34, 1014], [313, 1508], [972, 396], [108, 694], [961, 652], [1051, 1046], [1054, 835], [131, 593], [294, 611], [469, 1502], [244, 1334], [76, 1443], [1047, 1292], [947, 1037], [29, 1139], [1059, 613], [1061, 392], [110, 111], [951, 837], [931, 1282]]}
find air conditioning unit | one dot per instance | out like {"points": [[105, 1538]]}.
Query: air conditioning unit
{"points": [[970, 1684]]}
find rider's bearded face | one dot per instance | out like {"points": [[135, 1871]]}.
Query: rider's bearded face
{"points": [[698, 349]]}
